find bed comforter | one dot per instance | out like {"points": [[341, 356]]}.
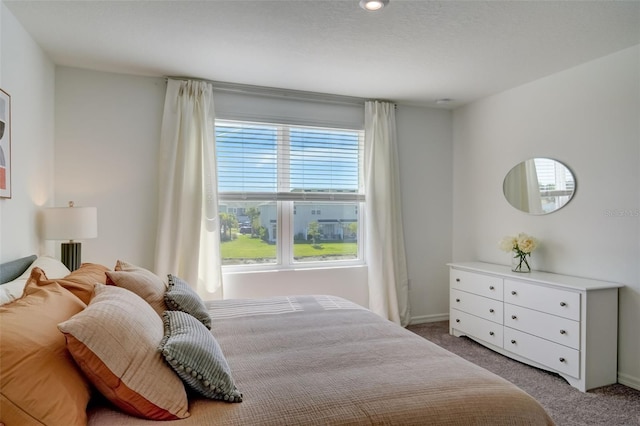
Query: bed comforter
{"points": [[321, 360]]}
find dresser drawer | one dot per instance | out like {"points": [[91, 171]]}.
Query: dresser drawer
{"points": [[477, 305], [550, 327], [554, 301], [476, 327], [483, 285], [552, 355]]}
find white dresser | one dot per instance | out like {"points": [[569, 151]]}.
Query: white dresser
{"points": [[559, 323]]}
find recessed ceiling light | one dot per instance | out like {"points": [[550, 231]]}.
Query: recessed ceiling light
{"points": [[443, 100], [373, 5]]}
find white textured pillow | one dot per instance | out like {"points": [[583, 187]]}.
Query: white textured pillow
{"points": [[5, 296], [15, 287], [52, 268]]}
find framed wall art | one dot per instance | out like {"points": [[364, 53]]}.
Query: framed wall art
{"points": [[5, 144]]}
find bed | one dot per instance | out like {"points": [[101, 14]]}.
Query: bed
{"points": [[290, 360]]}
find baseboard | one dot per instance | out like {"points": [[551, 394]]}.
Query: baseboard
{"points": [[627, 380], [422, 319]]}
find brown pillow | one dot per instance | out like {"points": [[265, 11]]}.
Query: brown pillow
{"points": [[142, 282], [49, 388], [115, 342], [80, 282]]}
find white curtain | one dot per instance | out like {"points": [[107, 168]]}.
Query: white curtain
{"points": [[533, 188], [384, 238], [187, 241]]}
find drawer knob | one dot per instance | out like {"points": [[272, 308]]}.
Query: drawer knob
{"points": [[563, 332], [491, 287], [513, 342], [457, 300], [491, 333], [563, 304], [457, 280], [514, 317], [457, 319], [514, 293], [491, 311], [562, 359]]}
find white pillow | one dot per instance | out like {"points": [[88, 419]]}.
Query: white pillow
{"points": [[6, 296], [12, 290], [52, 268]]}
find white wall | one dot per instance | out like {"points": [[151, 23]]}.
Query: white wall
{"points": [[425, 153], [107, 132], [28, 76], [589, 118]]}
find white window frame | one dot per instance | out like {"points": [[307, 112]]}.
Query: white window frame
{"points": [[286, 216]]}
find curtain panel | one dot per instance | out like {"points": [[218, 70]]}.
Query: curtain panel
{"points": [[384, 237], [187, 239]]}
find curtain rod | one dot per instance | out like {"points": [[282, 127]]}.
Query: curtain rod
{"points": [[273, 92]]}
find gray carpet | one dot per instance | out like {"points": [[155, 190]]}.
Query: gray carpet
{"points": [[613, 405]]}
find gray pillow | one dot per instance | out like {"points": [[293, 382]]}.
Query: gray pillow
{"points": [[194, 354], [181, 297]]}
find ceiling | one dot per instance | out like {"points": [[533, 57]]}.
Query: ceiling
{"points": [[411, 52]]}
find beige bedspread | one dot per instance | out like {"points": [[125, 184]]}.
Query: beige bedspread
{"points": [[318, 360]]}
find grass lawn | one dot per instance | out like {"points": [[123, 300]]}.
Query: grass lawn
{"points": [[246, 247], [324, 249], [253, 248]]}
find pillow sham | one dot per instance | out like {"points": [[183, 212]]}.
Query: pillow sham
{"points": [[142, 282], [5, 296], [12, 290], [193, 352], [79, 282], [181, 297], [51, 266], [49, 388], [11, 270], [114, 341]]}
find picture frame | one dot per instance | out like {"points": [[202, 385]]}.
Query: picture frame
{"points": [[5, 144]]}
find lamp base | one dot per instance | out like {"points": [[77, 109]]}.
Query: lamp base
{"points": [[70, 253]]}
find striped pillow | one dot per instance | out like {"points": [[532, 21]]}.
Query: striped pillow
{"points": [[181, 297], [193, 352], [114, 341], [141, 281]]}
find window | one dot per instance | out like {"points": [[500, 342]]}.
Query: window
{"points": [[288, 194]]}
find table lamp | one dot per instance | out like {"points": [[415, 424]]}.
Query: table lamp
{"points": [[70, 223]]}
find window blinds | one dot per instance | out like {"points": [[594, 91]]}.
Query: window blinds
{"points": [[263, 161]]}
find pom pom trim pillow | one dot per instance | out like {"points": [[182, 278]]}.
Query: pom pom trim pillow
{"points": [[181, 297], [195, 355], [114, 341]]}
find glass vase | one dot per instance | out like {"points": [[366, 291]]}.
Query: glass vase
{"points": [[520, 263]]}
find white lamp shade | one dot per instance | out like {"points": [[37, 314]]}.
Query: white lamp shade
{"points": [[70, 223]]}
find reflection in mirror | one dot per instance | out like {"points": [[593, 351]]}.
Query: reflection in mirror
{"points": [[539, 186]]}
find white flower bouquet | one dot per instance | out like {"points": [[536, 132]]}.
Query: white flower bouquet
{"points": [[521, 246]]}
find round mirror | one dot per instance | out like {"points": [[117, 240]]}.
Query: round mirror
{"points": [[539, 186]]}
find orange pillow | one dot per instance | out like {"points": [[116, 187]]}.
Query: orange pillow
{"points": [[39, 381], [80, 282], [142, 282], [115, 342]]}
